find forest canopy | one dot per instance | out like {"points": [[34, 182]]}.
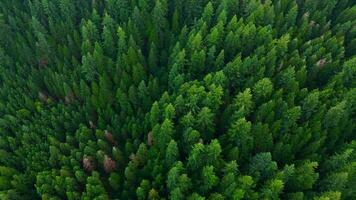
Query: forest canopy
{"points": [[177, 99]]}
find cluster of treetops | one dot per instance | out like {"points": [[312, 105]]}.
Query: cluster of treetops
{"points": [[177, 99]]}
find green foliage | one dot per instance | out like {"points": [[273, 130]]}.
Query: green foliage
{"points": [[162, 99]]}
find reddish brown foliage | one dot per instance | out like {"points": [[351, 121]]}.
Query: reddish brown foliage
{"points": [[88, 163], [150, 139], [321, 62], [109, 164], [110, 138]]}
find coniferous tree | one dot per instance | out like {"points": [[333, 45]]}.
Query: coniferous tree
{"points": [[192, 99]]}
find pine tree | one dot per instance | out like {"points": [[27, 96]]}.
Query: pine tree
{"points": [[177, 99], [172, 153]]}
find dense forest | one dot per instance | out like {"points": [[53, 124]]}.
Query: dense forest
{"points": [[177, 99]]}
